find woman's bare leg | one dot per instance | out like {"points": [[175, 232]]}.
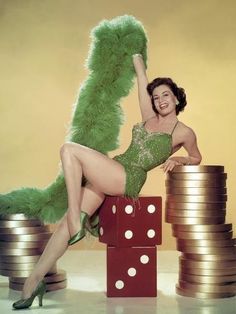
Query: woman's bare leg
{"points": [[106, 174], [103, 173], [58, 243]]}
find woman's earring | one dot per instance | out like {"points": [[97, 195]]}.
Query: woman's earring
{"points": [[177, 103]]}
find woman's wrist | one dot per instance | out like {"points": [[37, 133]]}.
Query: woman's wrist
{"points": [[139, 64], [137, 55]]}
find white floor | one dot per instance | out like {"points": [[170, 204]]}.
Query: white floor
{"points": [[85, 293]]}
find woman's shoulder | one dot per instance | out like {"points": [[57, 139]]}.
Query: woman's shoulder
{"points": [[185, 130], [138, 124]]}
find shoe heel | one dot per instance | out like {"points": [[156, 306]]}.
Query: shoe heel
{"points": [[40, 297]]}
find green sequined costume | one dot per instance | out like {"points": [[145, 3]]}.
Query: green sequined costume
{"points": [[147, 150]]}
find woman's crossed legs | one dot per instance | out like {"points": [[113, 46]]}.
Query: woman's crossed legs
{"points": [[105, 176]]}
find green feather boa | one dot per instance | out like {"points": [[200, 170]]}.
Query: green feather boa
{"points": [[96, 120]]}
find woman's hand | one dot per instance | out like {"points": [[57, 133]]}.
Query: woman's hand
{"points": [[138, 62], [137, 55], [169, 165]]}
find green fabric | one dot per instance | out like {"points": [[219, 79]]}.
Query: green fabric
{"points": [[97, 115], [146, 151]]}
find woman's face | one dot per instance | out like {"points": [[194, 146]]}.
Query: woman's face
{"points": [[164, 99]]}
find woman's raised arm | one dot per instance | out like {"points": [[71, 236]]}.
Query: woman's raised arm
{"points": [[142, 80]]}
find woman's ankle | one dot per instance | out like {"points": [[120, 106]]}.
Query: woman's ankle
{"points": [[29, 286], [74, 225]]}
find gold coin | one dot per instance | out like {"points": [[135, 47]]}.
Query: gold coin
{"points": [[208, 257], [203, 295], [17, 266], [228, 287], [17, 217], [194, 221], [196, 176], [207, 243], [15, 273], [218, 198], [207, 264], [26, 237], [56, 285], [195, 213], [201, 168], [20, 252], [24, 230], [207, 272], [60, 275], [19, 223], [49, 286], [207, 279], [195, 191], [221, 183], [22, 244], [19, 259], [203, 228], [207, 250], [203, 235], [195, 206]]}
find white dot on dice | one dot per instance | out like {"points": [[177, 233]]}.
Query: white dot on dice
{"points": [[151, 208], [128, 209], [144, 259], [128, 234], [101, 231], [119, 284], [151, 233], [114, 209], [132, 271]]}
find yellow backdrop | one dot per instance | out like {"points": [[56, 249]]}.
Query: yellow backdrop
{"points": [[44, 45]]}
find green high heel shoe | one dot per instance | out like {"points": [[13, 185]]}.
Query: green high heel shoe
{"points": [[94, 220], [25, 303], [84, 217], [92, 225]]}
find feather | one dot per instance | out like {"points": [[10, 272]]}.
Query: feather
{"points": [[97, 114]]}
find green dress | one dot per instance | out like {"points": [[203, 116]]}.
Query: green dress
{"points": [[147, 150]]}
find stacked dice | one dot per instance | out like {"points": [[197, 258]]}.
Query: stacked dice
{"points": [[22, 241], [131, 229], [196, 207]]}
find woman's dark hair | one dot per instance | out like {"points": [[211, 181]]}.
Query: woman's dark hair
{"points": [[177, 91]]}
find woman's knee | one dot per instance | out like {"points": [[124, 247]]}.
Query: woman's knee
{"points": [[65, 148], [69, 148]]}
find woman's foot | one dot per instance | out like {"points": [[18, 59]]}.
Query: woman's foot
{"points": [[24, 303], [29, 286], [74, 223], [81, 231], [92, 225]]}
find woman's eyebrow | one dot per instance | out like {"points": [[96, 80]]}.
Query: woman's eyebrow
{"points": [[162, 93]]}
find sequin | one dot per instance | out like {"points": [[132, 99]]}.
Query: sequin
{"points": [[146, 151]]}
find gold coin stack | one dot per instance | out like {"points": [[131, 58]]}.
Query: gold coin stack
{"points": [[22, 241], [196, 208]]}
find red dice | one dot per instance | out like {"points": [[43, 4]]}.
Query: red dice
{"points": [[131, 229], [125, 223], [131, 272]]}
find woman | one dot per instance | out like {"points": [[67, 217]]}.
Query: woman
{"points": [[155, 139]]}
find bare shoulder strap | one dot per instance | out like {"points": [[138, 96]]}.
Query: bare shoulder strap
{"points": [[174, 126]]}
